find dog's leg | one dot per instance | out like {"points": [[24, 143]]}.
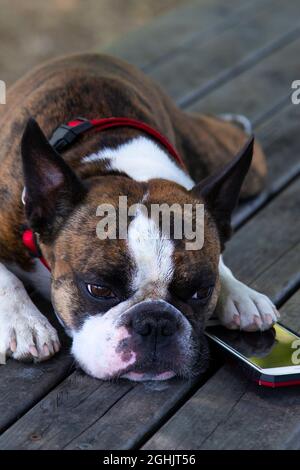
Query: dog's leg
{"points": [[25, 334], [240, 307]]}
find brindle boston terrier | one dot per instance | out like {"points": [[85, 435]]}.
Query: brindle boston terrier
{"points": [[134, 307]]}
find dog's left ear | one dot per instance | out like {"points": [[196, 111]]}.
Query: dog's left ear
{"points": [[52, 188], [221, 190]]}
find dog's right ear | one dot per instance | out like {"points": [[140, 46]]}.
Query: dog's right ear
{"points": [[52, 188]]}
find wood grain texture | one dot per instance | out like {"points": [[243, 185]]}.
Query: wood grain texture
{"points": [[267, 82], [280, 140], [23, 384], [290, 313], [196, 67], [81, 403], [231, 412], [125, 424], [269, 236], [160, 39], [65, 412]]}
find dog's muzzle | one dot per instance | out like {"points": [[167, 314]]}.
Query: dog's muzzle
{"points": [[158, 332]]}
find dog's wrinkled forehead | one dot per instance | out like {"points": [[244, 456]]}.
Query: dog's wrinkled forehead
{"points": [[146, 259]]}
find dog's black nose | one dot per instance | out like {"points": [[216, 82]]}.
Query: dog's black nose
{"points": [[151, 323], [155, 320]]}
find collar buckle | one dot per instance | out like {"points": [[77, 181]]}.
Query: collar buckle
{"points": [[65, 134]]}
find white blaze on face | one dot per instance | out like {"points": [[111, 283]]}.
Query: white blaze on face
{"points": [[152, 254]]}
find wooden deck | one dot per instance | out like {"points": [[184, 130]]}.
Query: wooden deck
{"points": [[216, 56]]}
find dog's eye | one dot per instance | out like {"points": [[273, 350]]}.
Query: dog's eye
{"points": [[100, 292], [203, 293]]}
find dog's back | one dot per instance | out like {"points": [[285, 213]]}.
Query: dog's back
{"points": [[92, 85]]}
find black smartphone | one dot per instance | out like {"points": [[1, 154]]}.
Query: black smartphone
{"points": [[271, 358]]}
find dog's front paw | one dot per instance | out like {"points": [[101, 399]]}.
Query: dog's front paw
{"points": [[25, 334], [240, 307]]}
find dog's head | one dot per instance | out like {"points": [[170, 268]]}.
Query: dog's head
{"points": [[135, 306]]}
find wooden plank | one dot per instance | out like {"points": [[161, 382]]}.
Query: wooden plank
{"points": [[252, 94], [136, 414], [285, 271], [256, 34], [160, 39], [79, 402], [230, 412], [266, 83], [22, 385], [255, 105], [290, 313], [272, 234], [279, 138], [142, 409]]}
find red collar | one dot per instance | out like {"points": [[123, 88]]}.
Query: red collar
{"points": [[30, 242], [65, 134]]}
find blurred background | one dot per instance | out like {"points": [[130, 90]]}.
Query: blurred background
{"points": [[32, 31]]}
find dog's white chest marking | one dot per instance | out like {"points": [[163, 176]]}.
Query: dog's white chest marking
{"points": [[24, 332], [142, 160]]}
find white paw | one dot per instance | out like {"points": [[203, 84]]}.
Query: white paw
{"points": [[240, 307], [25, 334]]}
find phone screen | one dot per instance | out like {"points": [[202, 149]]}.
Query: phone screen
{"points": [[277, 347]]}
